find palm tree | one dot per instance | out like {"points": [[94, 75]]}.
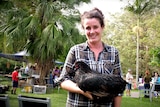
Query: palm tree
{"points": [[46, 30]]}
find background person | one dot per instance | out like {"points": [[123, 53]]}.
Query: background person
{"points": [[15, 80], [98, 55], [56, 72], [147, 80], [156, 80], [26, 69], [129, 79], [140, 79]]}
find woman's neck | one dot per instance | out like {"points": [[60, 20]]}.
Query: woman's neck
{"points": [[98, 45], [96, 48]]}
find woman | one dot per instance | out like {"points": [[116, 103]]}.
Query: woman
{"points": [[99, 56]]}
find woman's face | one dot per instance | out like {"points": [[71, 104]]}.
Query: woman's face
{"points": [[93, 30]]}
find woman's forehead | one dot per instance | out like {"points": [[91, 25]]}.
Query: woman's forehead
{"points": [[91, 21]]}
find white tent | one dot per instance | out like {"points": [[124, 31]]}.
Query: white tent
{"points": [[22, 53], [21, 56]]}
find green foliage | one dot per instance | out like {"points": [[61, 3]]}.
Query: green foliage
{"points": [[155, 60], [119, 33], [7, 66], [141, 7], [3, 63], [138, 7]]}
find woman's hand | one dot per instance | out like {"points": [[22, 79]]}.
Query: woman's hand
{"points": [[88, 95]]}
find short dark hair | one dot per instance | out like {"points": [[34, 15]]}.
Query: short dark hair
{"points": [[94, 13]]}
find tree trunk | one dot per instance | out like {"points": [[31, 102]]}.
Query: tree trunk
{"points": [[44, 71]]}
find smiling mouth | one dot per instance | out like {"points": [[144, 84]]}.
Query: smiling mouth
{"points": [[92, 36]]}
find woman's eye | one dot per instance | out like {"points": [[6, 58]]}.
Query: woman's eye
{"points": [[88, 28], [95, 27]]}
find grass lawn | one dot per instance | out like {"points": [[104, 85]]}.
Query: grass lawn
{"points": [[58, 99], [137, 102]]}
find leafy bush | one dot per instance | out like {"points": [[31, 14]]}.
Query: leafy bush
{"points": [[7, 66]]}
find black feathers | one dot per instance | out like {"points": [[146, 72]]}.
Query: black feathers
{"points": [[102, 87]]}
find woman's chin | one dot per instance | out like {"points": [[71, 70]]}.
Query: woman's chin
{"points": [[93, 41]]}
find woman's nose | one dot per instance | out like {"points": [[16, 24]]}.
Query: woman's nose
{"points": [[92, 30]]}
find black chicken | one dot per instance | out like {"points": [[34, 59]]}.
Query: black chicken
{"points": [[102, 87]]}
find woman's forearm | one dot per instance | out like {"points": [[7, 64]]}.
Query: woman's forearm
{"points": [[72, 87]]}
